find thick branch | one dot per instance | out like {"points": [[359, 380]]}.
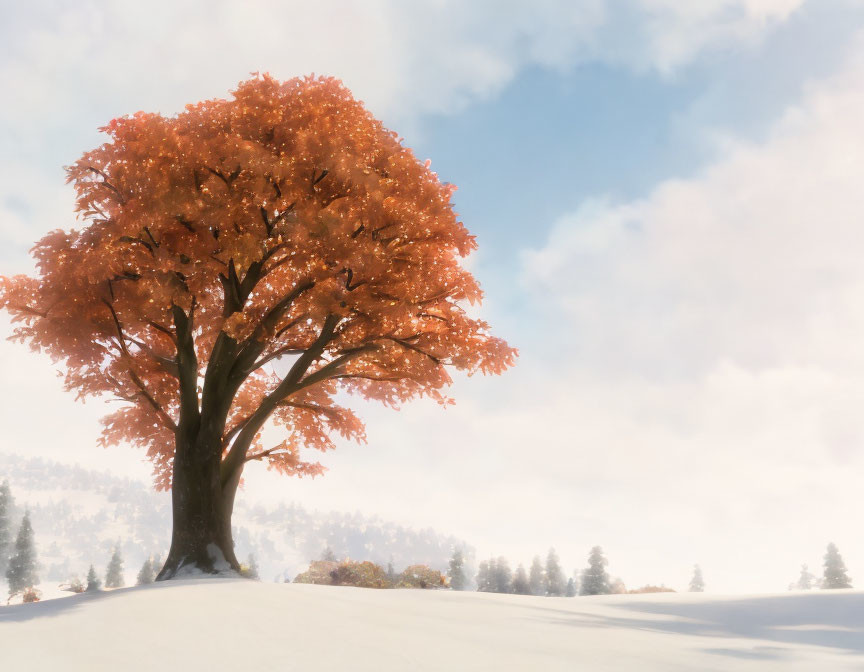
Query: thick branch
{"points": [[236, 456]]}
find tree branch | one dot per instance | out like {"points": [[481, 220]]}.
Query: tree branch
{"points": [[236, 456]]}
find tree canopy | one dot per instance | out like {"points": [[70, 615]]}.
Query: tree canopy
{"points": [[246, 260]]}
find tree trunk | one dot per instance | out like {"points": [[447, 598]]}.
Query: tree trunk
{"points": [[201, 541]]}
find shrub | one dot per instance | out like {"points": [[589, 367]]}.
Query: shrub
{"points": [[421, 576], [30, 595], [651, 589], [74, 585], [346, 573]]}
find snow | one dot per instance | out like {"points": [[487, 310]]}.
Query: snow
{"points": [[235, 624]]}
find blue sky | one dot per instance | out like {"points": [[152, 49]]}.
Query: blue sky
{"points": [[667, 204]]}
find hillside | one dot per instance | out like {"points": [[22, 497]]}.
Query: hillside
{"points": [[78, 515], [177, 625]]}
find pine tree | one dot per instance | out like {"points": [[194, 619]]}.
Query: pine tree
{"points": [[805, 581], [595, 580], [6, 504], [697, 583], [492, 583], [327, 555], [555, 582], [503, 578], [835, 570], [483, 582], [114, 572], [21, 572], [536, 577], [392, 576], [570, 591], [157, 565], [146, 574], [93, 582], [456, 572], [520, 582]]}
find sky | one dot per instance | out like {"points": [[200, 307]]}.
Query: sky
{"points": [[667, 202]]}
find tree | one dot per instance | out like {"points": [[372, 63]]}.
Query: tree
{"points": [[114, 572], [327, 554], [835, 570], [555, 582], [595, 580], [536, 577], [697, 583], [6, 504], [284, 224], [93, 582], [484, 583], [520, 582], [21, 572], [805, 580], [456, 572], [503, 576], [146, 574], [392, 576]]}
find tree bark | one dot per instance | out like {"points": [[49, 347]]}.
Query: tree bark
{"points": [[201, 540]]}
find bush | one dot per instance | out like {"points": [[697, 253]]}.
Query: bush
{"points": [[30, 595], [74, 585], [421, 576], [346, 573], [650, 589]]}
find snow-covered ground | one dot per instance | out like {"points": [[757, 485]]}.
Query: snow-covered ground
{"points": [[232, 624]]}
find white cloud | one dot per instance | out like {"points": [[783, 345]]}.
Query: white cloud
{"points": [[710, 347], [67, 69]]}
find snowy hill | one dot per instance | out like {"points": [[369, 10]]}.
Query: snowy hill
{"points": [[78, 515], [242, 625]]}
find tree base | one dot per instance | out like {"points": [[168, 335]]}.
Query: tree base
{"points": [[211, 562]]}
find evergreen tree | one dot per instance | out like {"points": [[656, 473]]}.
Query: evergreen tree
{"points": [[520, 582], [536, 577], [5, 526], [392, 576], [503, 578], [114, 573], [328, 555], [21, 571], [157, 565], [835, 570], [555, 582], [456, 572], [595, 580], [805, 581], [252, 568], [93, 582], [146, 575], [697, 583], [570, 591], [483, 581]]}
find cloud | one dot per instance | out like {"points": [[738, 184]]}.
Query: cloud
{"points": [[709, 342], [69, 68]]}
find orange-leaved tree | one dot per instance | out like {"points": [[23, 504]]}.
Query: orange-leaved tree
{"points": [[239, 264]]}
